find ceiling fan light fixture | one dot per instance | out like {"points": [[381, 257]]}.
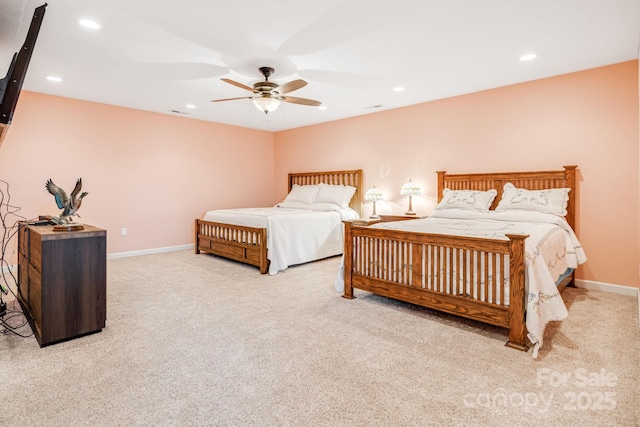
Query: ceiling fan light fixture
{"points": [[267, 95], [266, 104]]}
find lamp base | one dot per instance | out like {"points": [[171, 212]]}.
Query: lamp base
{"points": [[410, 211], [374, 214]]}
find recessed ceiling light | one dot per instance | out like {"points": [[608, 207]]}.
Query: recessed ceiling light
{"points": [[190, 106], [322, 107], [88, 23], [398, 89], [528, 57], [54, 79]]}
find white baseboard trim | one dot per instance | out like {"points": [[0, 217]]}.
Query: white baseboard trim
{"points": [[606, 287], [150, 251]]}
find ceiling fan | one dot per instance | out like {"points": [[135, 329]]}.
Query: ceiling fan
{"points": [[267, 95]]}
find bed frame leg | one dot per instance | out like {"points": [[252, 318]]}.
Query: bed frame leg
{"points": [[348, 294], [264, 262], [521, 347], [347, 260], [517, 326], [196, 236], [517, 330]]}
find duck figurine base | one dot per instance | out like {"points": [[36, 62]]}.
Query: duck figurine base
{"points": [[68, 227]]}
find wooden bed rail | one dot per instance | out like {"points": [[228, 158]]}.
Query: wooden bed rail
{"points": [[466, 276]]}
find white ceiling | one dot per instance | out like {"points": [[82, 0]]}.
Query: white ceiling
{"points": [[163, 54]]}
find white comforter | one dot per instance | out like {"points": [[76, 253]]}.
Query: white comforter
{"points": [[296, 232], [551, 248]]}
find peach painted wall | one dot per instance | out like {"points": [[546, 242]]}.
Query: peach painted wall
{"points": [[151, 173], [588, 118]]}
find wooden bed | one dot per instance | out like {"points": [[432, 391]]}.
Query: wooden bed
{"points": [[249, 245], [380, 261]]}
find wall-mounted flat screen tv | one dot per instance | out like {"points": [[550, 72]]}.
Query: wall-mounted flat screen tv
{"points": [[11, 84]]}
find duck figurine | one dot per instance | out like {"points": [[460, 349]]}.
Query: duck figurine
{"points": [[69, 205]]}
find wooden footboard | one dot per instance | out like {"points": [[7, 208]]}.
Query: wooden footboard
{"points": [[465, 276], [244, 244]]}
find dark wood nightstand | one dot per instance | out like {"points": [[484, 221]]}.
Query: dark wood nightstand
{"points": [[391, 218], [62, 281]]}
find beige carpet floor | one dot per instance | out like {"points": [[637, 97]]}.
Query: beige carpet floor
{"points": [[194, 340]]}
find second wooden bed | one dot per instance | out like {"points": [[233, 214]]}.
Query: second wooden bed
{"points": [[384, 262], [248, 244]]}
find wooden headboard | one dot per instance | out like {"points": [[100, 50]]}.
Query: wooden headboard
{"points": [[539, 180], [352, 178]]}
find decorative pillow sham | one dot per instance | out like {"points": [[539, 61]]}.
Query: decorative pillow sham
{"points": [[467, 199], [302, 193], [553, 200], [337, 194]]}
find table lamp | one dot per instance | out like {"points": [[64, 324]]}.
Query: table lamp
{"points": [[410, 189]]}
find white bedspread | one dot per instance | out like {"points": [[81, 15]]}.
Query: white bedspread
{"points": [[296, 233], [551, 248]]}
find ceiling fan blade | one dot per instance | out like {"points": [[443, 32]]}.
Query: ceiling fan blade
{"points": [[240, 85], [291, 86], [231, 99], [301, 101]]}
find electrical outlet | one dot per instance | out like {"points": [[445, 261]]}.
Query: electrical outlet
{"points": [[123, 232]]}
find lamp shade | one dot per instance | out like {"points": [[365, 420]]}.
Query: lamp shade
{"points": [[266, 104], [410, 189], [373, 194]]}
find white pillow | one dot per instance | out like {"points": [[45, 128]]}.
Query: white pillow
{"points": [[302, 193], [338, 194], [467, 199], [553, 200]]}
